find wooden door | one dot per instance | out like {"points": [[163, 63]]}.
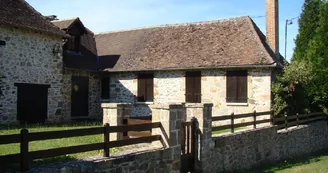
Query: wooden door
{"points": [[80, 96], [32, 103]]}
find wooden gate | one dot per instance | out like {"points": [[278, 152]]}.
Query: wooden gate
{"points": [[134, 121], [188, 145]]}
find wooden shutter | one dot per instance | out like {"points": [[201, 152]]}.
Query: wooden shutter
{"points": [[145, 87], [141, 89], [149, 88], [70, 44], [193, 87], [189, 87], [236, 86], [105, 90], [242, 87], [197, 87], [231, 87]]}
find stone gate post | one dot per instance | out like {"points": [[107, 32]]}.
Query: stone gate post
{"points": [[170, 117], [113, 114], [202, 112]]}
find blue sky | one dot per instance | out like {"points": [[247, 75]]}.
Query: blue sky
{"points": [[108, 15]]}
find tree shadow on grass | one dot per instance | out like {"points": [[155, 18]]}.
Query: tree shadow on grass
{"points": [[287, 163]]}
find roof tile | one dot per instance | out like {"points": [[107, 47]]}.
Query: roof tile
{"points": [[229, 42], [20, 14]]}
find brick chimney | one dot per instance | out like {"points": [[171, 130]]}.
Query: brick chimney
{"points": [[272, 25]]}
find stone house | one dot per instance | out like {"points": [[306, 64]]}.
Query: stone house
{"points": [[229, 63], [225, 62], [31, 64], [51, 69], [82, 78]]}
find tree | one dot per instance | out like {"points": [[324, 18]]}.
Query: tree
{"points": [[317, 54], [303, 86], [289, 91], [50, 17], [308, 22]]}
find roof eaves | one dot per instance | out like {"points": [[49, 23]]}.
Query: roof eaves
{"points": [[273, 65], [61, 35], [60, 32]]}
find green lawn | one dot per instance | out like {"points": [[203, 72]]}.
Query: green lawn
{"points": [[54, 143], [226, 131], [314, 163]]}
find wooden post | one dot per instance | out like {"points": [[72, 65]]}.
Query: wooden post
{"points": [[297, 119], [254, 119], [232, 123], [194, 140], [307, 117], [106, 140], [286, 122], [24, 162], [271, 117]]}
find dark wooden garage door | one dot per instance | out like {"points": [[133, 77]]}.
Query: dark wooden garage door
{"points": [[80, 96], [32, 103]]}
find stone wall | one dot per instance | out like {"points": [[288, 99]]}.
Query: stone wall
{"points": [[123, 89], [169, 87], [246, 149], [95, 111], [259, 93], [157, 161], [28, 57]]}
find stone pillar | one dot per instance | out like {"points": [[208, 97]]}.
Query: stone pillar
{"points": [[202, 112], [170, 117], [113, 114]]}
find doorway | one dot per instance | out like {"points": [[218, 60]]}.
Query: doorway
{"points": [[80, 96], [32, 103]]}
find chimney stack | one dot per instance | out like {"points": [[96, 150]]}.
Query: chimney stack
{"points": [[272, 25]]}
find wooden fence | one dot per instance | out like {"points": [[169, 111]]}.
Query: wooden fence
{"points": [[281, 122], [232, 117], [296, 120], [25, 156], [137, 120]]}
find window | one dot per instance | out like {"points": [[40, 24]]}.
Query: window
{"points": [[145, 87], [73, 44], [105, 90], [193, 87], [237, 86]]}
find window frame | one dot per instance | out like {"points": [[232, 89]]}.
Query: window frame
{"points": [[145, 80], [237, 84]]}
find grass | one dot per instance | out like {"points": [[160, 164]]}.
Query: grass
{"points": [[219, 132], [314, 163], [53, 143]]}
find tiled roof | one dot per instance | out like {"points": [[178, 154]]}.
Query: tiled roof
{"points": [[65, 23], [20, 14], [219, 43]]}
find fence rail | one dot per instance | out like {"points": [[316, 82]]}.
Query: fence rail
{"points": [[25, 156], [137, 120], [298, 119], [281, 122], [234, 125]]}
